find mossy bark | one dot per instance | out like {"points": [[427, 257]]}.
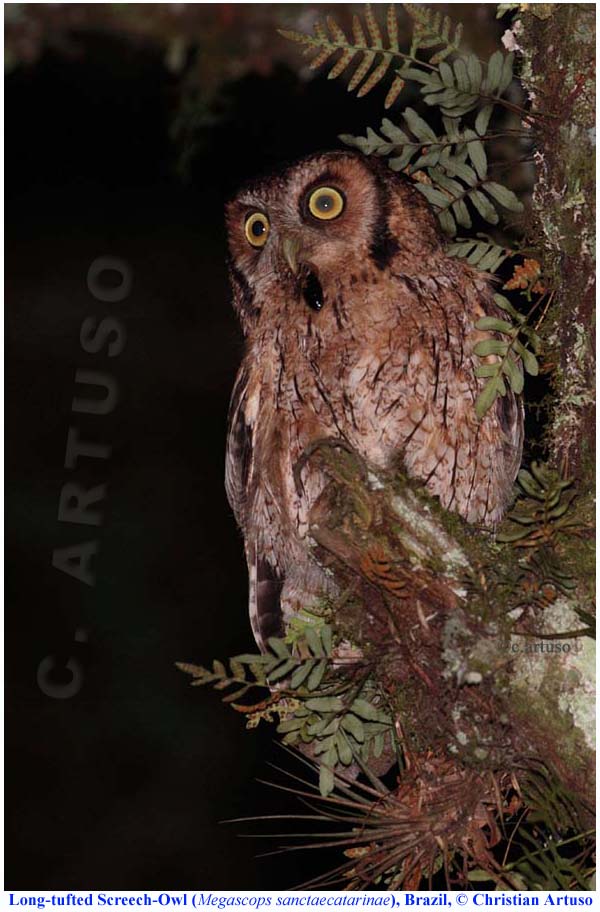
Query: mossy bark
{"points": [[557, 44]]}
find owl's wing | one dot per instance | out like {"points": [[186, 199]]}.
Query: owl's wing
{"points": [[510, 413], [265, 582], [427, 390], [238, 457]]}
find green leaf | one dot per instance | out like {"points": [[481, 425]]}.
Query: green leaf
{"points": [[237, 669], [400, 162], [279, 647], [528, 358], [461, 213], [504, 304], [512, 535], [532, 337], [493, 259], [331, 728], [446, 75], [438, 177], [560, 510], [436, 197], [451, 128], [313, 640], [447, 223], [418, 126], [514, 375], [507, 73], [344, 750], [318, 728], [506, 7], [393, 133], [486, 370], [494, 73], [504, 196], [325, 704], [477, 254], [483, 119], [430, 159], [290, 725], [483, 206], [461, 75], [494, 324], [283, 670], [449, 98], [326, 781], [420, 76], [301, 673], [474, 72], [317, 675], [490, 347], [529, 485], [365, 710], [354, 726], [477, 154], [488, 396], [478, 875]]}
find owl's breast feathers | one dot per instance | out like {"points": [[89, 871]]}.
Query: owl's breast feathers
{"points": [[387, 365]]}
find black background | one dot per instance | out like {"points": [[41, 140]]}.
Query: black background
{"points": [[123, 785]]}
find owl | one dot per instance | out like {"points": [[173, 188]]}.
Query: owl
{"points": [[358, 326]]}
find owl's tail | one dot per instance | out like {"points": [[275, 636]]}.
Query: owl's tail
{"points": [[266, 616]]}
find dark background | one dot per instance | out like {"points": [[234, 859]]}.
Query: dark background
{"points": [[123, 785]]}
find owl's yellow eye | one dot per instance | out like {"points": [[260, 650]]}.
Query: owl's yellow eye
{"points": [[326, 203], [257, 229]]}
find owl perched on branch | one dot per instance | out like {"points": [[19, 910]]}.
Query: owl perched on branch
{"points": [[358, 327]]}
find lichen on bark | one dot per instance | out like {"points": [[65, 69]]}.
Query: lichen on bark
{"points": [[558, 55]]}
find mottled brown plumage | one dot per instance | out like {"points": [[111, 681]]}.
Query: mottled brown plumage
{"points": [[357, 327]]}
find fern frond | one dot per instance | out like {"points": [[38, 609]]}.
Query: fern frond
{"points": [[432, 29], [456, 167], [512, 347], [367, 49], [459, 88], [542, 510], [484, 253]]}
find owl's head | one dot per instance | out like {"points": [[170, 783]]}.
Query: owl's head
{"points": [[300, 232]]}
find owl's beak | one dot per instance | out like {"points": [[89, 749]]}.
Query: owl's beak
{"points": [[290, 248]]}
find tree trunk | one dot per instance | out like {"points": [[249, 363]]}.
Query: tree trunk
{"points": [[557, 44]]}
